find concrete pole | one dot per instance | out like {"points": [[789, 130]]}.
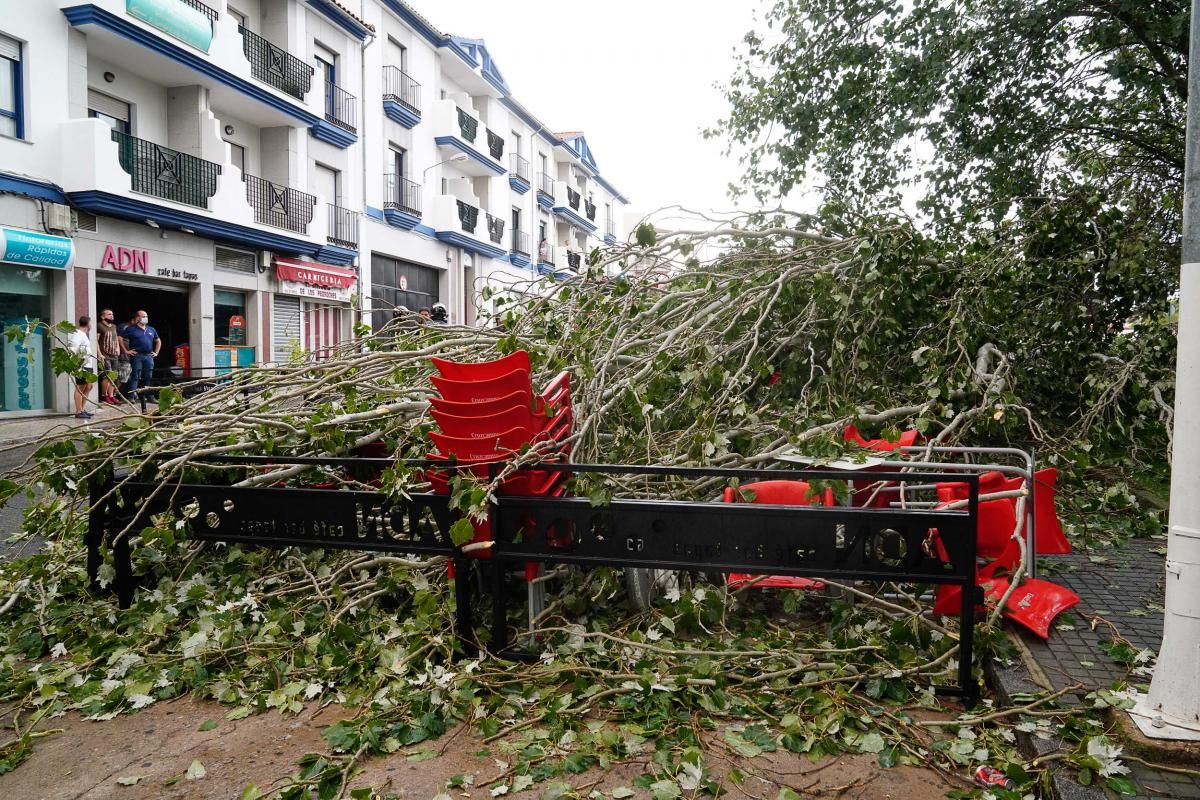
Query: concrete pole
{"points": [[1171, 710]]}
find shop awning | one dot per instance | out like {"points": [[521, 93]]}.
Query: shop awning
{"points": [[314, 273]]}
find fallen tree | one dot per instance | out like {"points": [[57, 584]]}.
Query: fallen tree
{"points": [[778, 341]]}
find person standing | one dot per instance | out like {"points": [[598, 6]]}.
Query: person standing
{"points": [[80, 343], [144, 345], [111, 347]]}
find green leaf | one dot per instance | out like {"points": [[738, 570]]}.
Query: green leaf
{"points": [[1122, 784], [208, 725], [871, 743], [622, 792], [251, 792], [462, 531], [887, 757], [129, 780], [786, 793], [195, 770]]}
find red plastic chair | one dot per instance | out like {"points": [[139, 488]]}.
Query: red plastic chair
{"points": [[481, 391], [1050, 538], [483, 370], [514, 417], [487, 407], [907, 439], [485, 448], [776, 493]]}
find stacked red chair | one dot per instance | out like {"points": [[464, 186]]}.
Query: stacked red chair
{"points": [[867, 493], [776, 493], [487, 413]]}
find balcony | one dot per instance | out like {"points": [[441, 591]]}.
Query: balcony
{"points": [[518, 173], [189, 21], [193, 189], [343, 227], [548, 256], [341, 107], [276, 67], [495, 229], [401, 202], [457, 131], [610, 231], [545, 191], [566, 260], [519, 251], [278, 205], [457, 219], [566, 203], [590, 209], [401, 97], [166, 173]]}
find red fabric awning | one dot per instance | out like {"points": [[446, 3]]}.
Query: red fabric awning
{"points": [[314, 273]]}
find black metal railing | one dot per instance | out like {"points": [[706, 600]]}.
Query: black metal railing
{"points": [[281, 206], [545, 184], [343, 227], [545, 253], [398, 85], [574, 260], [468, 216], [610, 228], [402, 194], [573, 198], [166, 173], [341, 107], [518, 166], [468, 126], [203, 8], [520, 242], [275, 66], [495, 229], [590, 209], [495, 144]]}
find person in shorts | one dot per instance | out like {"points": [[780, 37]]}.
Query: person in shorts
{"points": [[111, 347], [80, 343]]}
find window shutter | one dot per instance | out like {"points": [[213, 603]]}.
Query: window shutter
{"points": [[285, 331], [109, 106], [10, 48], [235, 260]]}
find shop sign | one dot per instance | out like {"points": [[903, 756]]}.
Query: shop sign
{"points": [[35, 249], [185, 23], [338, 294], [404, 283], [129, 259], [237, 329]]}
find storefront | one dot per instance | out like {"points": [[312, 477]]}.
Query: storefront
{"points": [[312, 308], [32, 279], [204, 307]]}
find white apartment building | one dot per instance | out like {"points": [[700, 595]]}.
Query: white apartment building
{"points": [[262, 175]]}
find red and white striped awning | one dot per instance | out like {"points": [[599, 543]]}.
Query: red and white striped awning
{"points": [[314, 273]]}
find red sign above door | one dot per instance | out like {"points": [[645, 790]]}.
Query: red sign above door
{"points": [[314, 274]]}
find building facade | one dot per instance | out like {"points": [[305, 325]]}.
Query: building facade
{"points": [[262, 175]]}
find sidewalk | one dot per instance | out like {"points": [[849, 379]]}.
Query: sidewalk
{"points": [[28, 429], [1121, 595]]}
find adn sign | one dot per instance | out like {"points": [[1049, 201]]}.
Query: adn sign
{"points": [[175, 18], [125, 259], [35, 249]]}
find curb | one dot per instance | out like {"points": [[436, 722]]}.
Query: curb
{"points": [[1011, 681]]}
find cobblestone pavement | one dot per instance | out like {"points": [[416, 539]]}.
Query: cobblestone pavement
{"points": [[1125, 587]]}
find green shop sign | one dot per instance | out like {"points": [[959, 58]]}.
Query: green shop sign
{"points": [[175, 17], [35, 249]]}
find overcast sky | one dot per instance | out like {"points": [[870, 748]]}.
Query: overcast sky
{"points": [[650, 66]]}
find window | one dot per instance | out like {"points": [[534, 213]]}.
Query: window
{"points": [[397, 54], [516, 142], [110, 110], [237, 155], [398, 160], [229, 317], [12, 116], [228, 258], [541, 232], [328, 184], [542, 163], [516, 219], [238, 17]]}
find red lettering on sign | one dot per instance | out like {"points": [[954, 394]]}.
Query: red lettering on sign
{"points": [[125, 259], [108, 259]]}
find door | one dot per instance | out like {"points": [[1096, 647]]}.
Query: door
{"points": [[328, 184], [285, 330], [109, 110], [326, 63]]}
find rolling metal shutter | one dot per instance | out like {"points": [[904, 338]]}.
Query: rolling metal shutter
{"points": [[10, 48], [285, 329], [109, 106]]}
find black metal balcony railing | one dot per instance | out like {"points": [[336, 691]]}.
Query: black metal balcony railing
{"points": [[343, 227], [518, 166], [398, 85], [402, 194], [341, 107], [468, 126], [203, 8], [275, 66], [545, 184], [520, 242], [573, 198], [495, 229], [468, 216], [495, 144], [281, 206], [610, 227], [590, 209], [574, 260], [545, 253], [166, 173]]}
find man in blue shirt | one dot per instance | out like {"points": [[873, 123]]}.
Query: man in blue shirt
{"points": [[144, 345]]}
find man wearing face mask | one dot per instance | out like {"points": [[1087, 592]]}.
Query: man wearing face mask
{"points": [[144, 345]]}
